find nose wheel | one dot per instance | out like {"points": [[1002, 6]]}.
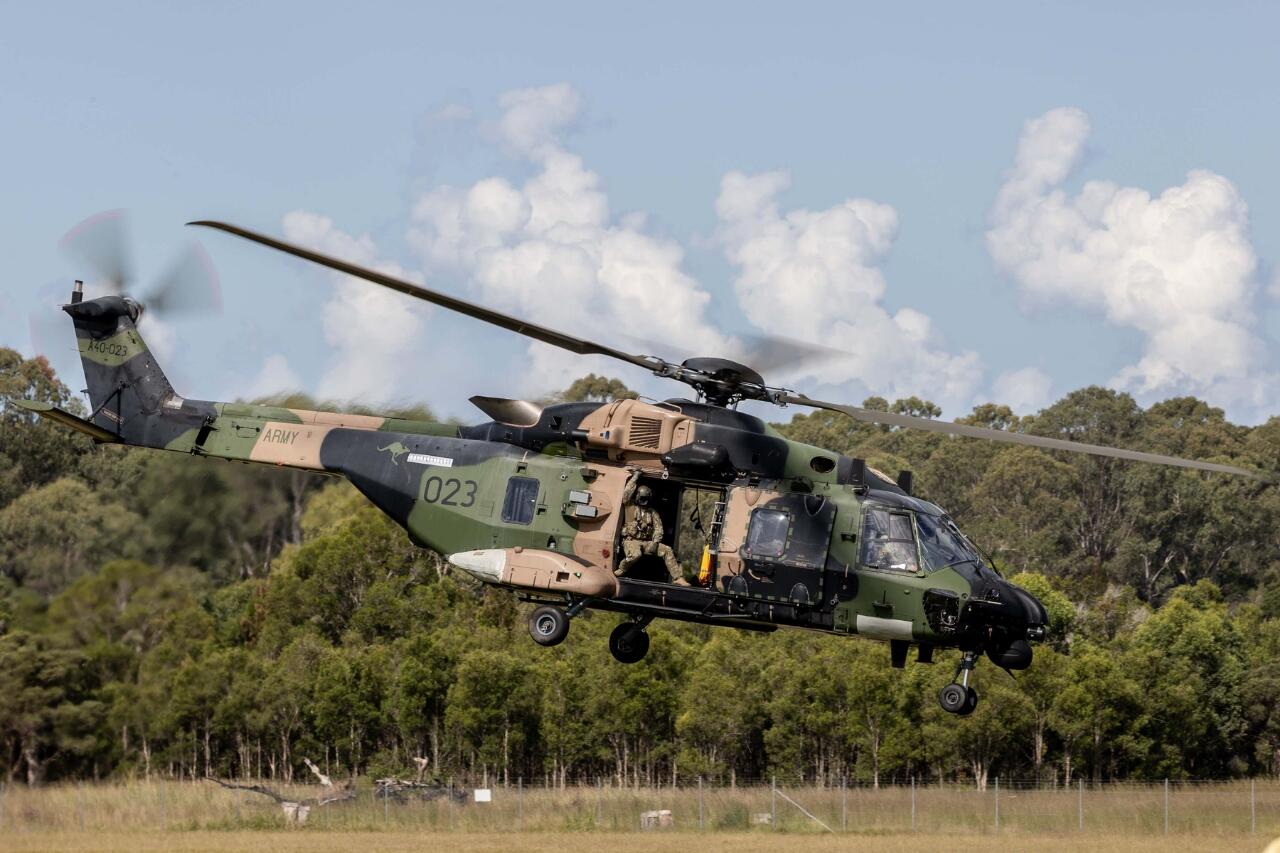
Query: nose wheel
{"points": [[958, 697]]}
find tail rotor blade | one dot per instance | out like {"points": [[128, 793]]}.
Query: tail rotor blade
{"points": [[188, 287], [101, 242]]}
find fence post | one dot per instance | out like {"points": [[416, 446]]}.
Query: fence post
{"points": [[997, 804], [1080, 805], [520, 801], [80, 803], [913, 804], [844, 804], [1166, 806], [164, 817], [450, 803], [1253, 808], [599, 801], [386, 805], [700, 824], [773, 803]]}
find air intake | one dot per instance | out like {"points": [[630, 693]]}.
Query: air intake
{"points": [[645, 432]]}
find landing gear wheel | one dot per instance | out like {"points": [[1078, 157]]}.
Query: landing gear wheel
{"points": [[628, 643], [548, 626], [970, 703], [954, 698]]}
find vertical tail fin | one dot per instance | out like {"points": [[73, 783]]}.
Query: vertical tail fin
{"points": [[126, 386]]}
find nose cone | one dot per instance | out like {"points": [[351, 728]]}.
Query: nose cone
{"points": [[1037, 618], [1006, 617]]}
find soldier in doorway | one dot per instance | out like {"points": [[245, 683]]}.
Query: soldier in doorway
{"points": [[642, 530]]}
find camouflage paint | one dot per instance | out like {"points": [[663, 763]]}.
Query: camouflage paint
{"points": [[448, 485]]}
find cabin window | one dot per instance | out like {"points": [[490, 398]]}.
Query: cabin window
{"points": [[768, 534], [889, 540], [522, 495]]}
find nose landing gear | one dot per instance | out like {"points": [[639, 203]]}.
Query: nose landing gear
{"points": [[958, 697]]}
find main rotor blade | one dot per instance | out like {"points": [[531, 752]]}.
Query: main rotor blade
{"points": [[950, 428], [768, 354], [487, 315]]}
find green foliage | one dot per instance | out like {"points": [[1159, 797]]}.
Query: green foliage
{"points": [[594, 389], [163, 614]]}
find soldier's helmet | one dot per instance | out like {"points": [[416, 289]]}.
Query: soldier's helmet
{"points": [[643, 494]]}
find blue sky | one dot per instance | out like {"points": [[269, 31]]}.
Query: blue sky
{"points": [[997, 201]]}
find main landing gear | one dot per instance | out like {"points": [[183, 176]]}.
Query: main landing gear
{"points": [[628, 643], [958, 697], [550, 625]]}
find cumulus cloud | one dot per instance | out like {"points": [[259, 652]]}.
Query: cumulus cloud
{"points": [[549, 249], [371, 330], [815, 275], [1025, 391], [1177, 267], [275, 377]]}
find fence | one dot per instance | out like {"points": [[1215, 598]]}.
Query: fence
{"points": [[1004, 807]]}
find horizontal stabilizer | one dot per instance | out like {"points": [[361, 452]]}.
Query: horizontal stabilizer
{"points": [[61, 416]]}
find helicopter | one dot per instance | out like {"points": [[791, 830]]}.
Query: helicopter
{"points": [[548, 500]]}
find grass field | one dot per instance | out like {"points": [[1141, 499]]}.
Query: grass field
{"points": [[678, 842], [187, 816]]}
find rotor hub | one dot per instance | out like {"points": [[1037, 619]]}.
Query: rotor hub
{"points": [[722, 381]]}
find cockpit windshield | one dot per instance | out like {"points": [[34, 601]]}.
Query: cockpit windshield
{"points": [[941, 543], [906, 540]]}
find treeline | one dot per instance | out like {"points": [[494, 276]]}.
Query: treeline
{"points": [[162, 614]]}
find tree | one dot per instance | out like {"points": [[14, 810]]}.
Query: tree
{"points": [[33, 451], [1099, 714], [53, 534], [594, 389]]}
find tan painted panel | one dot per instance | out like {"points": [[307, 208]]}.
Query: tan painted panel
{"points": [[536, 569], [737, 517], [595, 537], [339, 419], [295, 445], [613, 428]]}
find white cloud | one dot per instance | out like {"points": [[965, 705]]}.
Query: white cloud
{"points": [[371, 330], [275, 377], [1178, 267], [815, 275], [549, 249], [1026, 391], [533, 119]]}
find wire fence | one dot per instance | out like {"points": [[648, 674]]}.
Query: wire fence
{"points": [[1006, 806]]}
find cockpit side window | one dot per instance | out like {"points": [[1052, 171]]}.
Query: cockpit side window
{"points": [[889, 540]]}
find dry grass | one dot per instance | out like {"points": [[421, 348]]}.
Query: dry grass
{"points": [[203, 816], [678, 842]]}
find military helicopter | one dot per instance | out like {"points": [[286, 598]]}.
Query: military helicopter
{"points": [[547, 500]]}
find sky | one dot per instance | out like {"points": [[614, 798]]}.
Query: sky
{"points": [[999, 201]]}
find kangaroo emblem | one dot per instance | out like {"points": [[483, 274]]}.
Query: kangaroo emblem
{"points": [[396, 449]]}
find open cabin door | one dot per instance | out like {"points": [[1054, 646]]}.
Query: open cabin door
{"points": [[774, 546]]}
